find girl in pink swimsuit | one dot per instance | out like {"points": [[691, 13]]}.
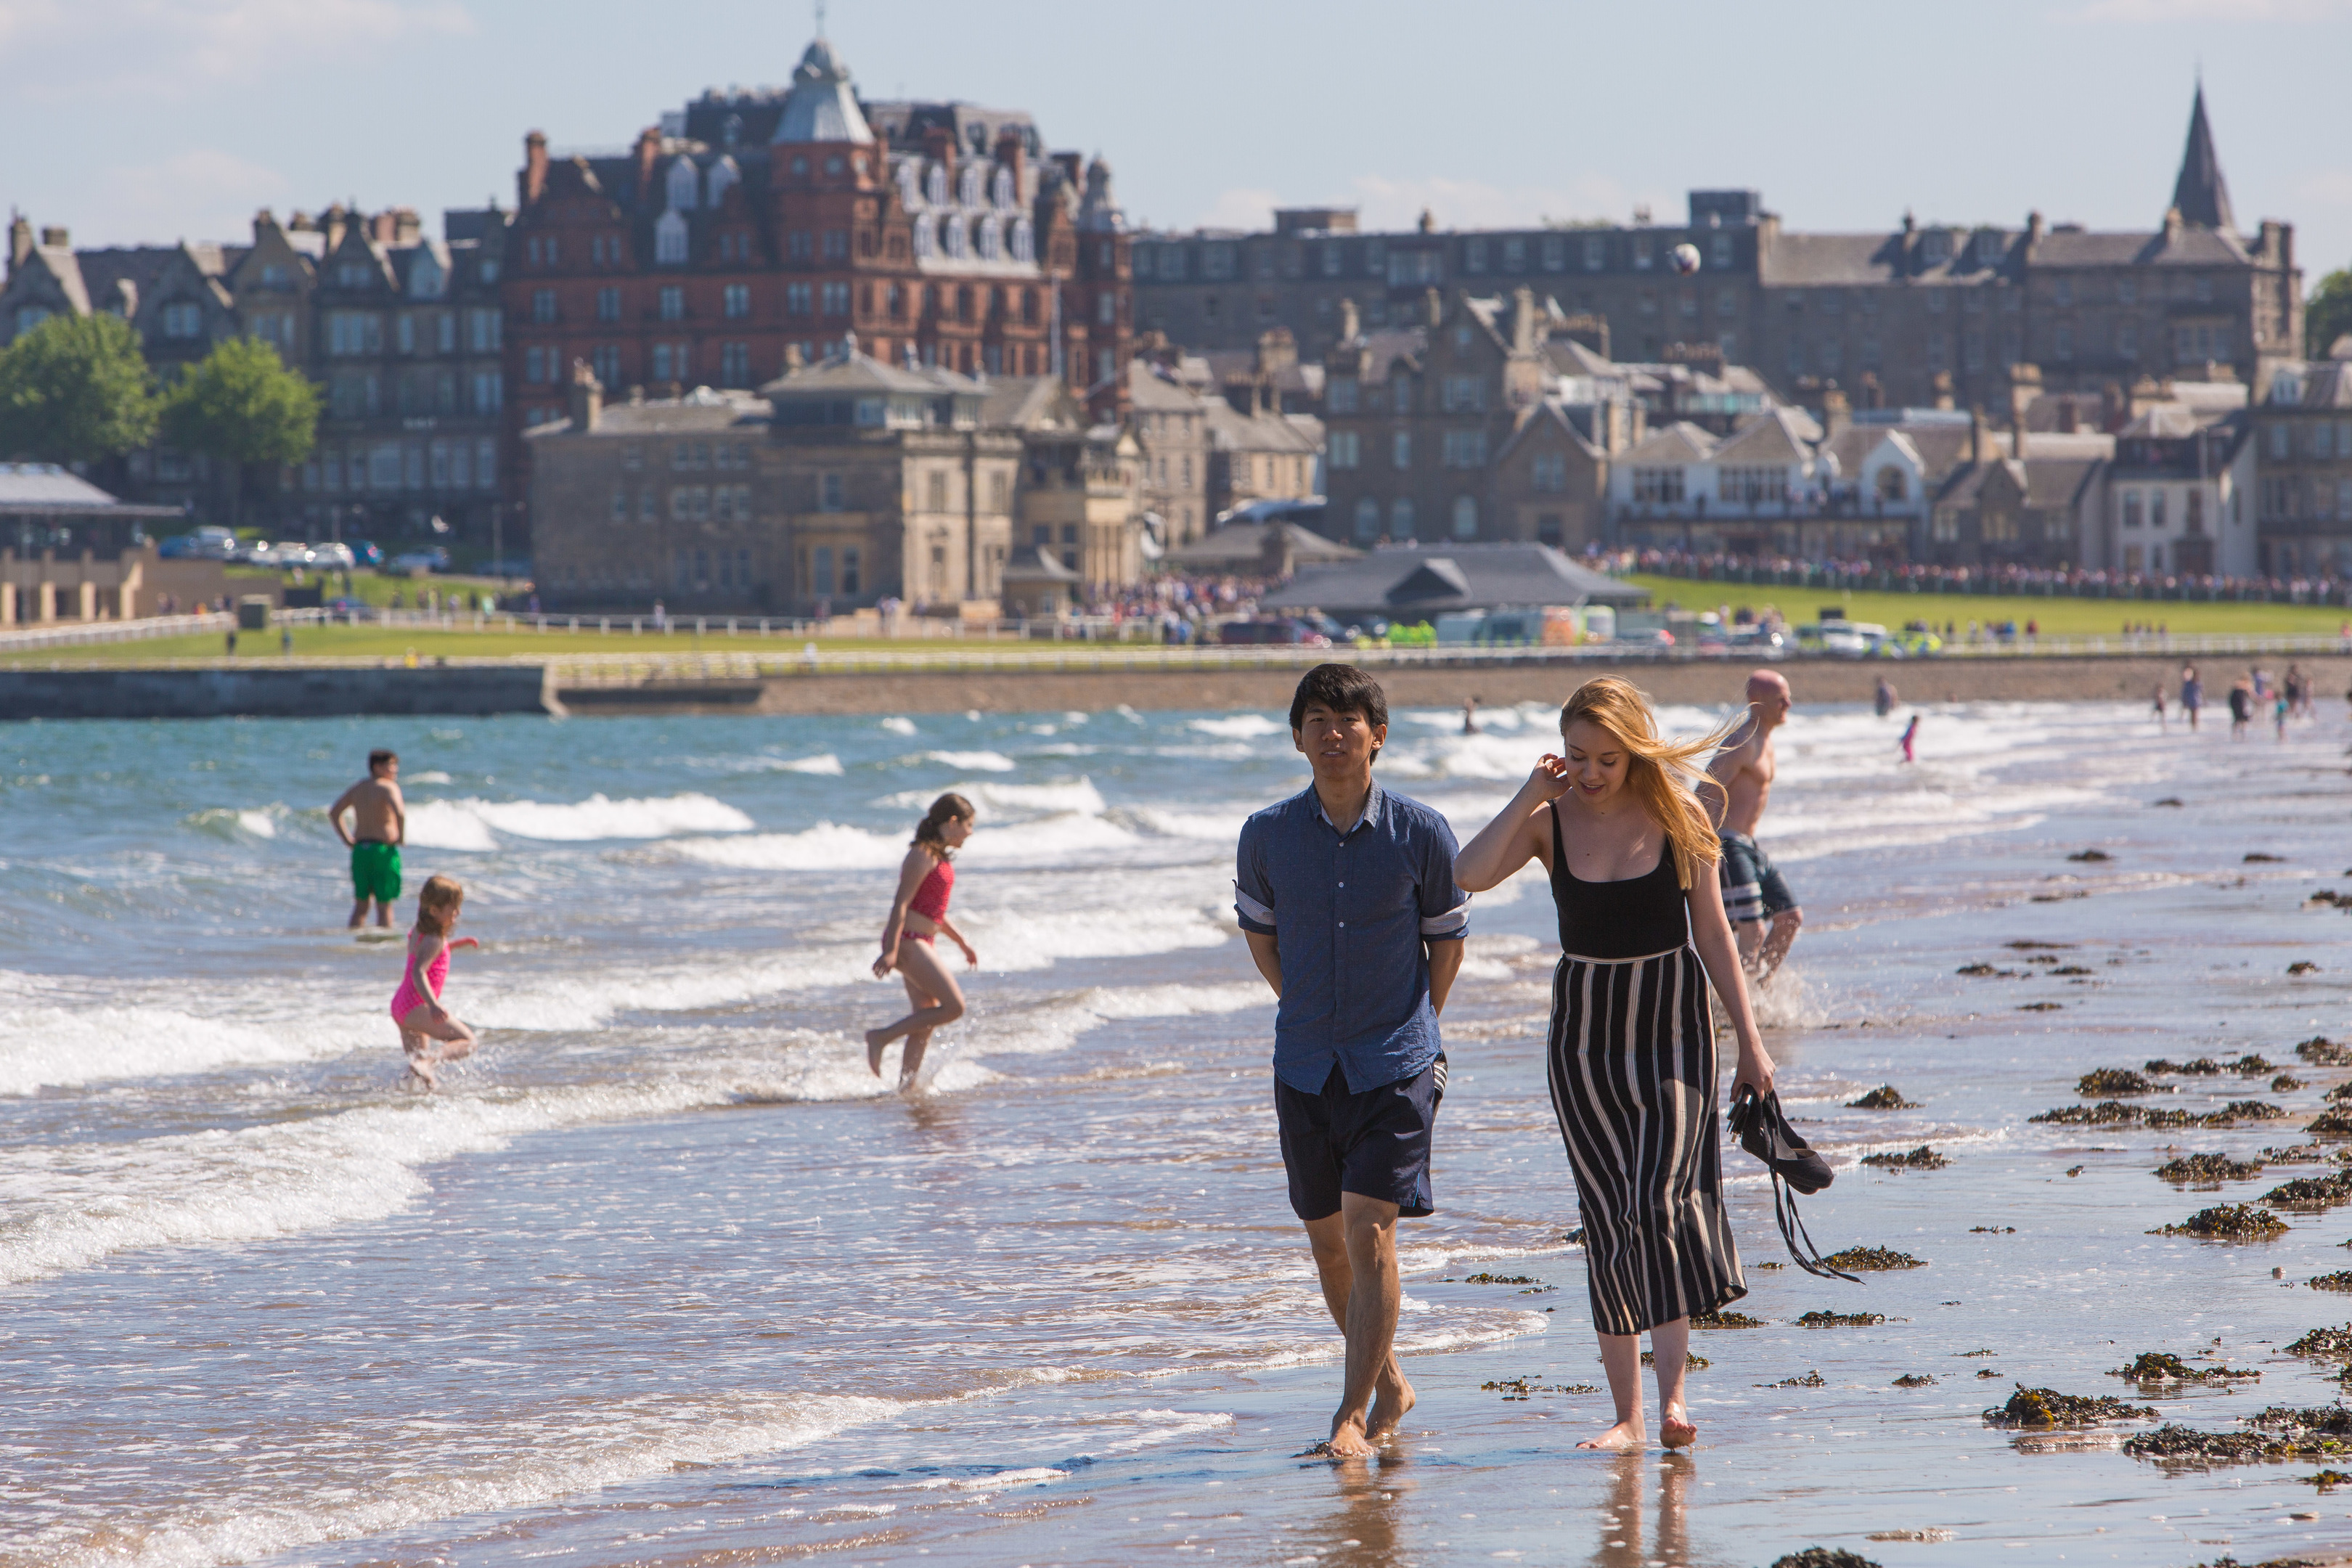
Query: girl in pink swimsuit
{"points": [[918, 913], [428, 1033]]}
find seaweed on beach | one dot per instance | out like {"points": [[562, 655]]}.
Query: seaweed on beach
{"points": [[2056, 898], [1986, 972], [1810, 1380], [2322, 1052], [2203, 1067], [2112, 1081], [2335, 1123], [1497, 1280], [2002, 1229], [2327, 1480], [1873, 1258], [1823, 1557], [2024, 946], [2176, 1442], [2258, 858], [2302, 966], [1724, 1320], [1694, 1361], [2039, 1409], [2307, 1154], [2313, 1191], [2041, 1006], [1512, 1388], [2091, 857], [2163, 1366], [2324, 1344], [2207, 1168], [2233, 1222], [2339, 1094], [2072, 969], [1841, 1320], [1923, 1158], [1970, 1355], [2339, 1280], [2286, 1083], [1916, 1380], [2245, 1111], [2254, 1064], [1886, 1097], [2106, 1113]]}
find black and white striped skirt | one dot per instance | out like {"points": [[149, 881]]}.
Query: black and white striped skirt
{"points": [[1631, 1068]]}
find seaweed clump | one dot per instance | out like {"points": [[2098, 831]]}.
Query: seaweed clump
{"points": [[1839, 1319], [1869, 1258], [2207, 1168], [1886, 1097], [2236, 1221], [2113, 1081], [2286, 1083], [2203, 1067], [1810, 1380], [2339, 1280], [2246, 1111], [1512, 1388], [2313, 1191], [2186, 1443], [2322, 1052], [1693, 1362], [2163, 1366], [2324, 1344], [2331, 1122], [1499, 1279], [1724, 1320], [1923, 1158], [1823, 1557], [1916, 1380], [2041, 1408]]}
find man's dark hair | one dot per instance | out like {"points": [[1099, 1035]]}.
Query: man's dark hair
{"points": [[1343, 689], [377, 758]]}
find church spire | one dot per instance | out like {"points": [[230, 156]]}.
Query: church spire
{"points": [[2201, 195]]}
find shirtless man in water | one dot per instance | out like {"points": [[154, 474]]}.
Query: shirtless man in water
{"points": [[1739, 782], [379, 823]]}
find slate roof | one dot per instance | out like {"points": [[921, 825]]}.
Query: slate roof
{"points": [[861, 372], [1232, 431], [1031, 562], [2200, 194], [1680, 442], [1151, 392], [1433, 581], [1245, 543], [2048, 484], [1541, 419], [2191, 248], [44, 489], [821, 107], [1775, 436], [2315, 383], [1023, 403], [702, 410]]}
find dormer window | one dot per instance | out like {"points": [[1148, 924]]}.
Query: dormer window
{"points": [[275, 277], [833, 166], [184, 320], [1024, 241], [958, 240], [1936, 247], [1005, 195], [935, 185], [685, 184], [669, 239], [425, 279], [991, 238], [353, 274], [1989, 245], [910, 185], [969, 186]]}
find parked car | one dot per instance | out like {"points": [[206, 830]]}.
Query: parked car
{"points": [[1279, 629], [365, 552], [1655, 637], [1754, 642], [210, 543], [411, 563], [333, 557]]}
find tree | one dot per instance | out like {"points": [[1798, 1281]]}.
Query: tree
{"points": [[2327, 314], [241, 404], [76, 389]]}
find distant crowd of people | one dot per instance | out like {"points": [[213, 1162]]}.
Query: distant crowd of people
{"points": [[1831, 572]]}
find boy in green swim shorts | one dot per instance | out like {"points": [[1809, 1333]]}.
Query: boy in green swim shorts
{"points": [[379, 823]]}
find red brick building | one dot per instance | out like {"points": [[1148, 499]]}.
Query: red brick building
{"points": [[734, 242]]}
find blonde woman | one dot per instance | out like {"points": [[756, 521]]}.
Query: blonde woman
{"points": [[1632, 1060]]}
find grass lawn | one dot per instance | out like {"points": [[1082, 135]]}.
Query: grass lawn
{"points": [[369, 586], [395, 642], [2058, 617]]}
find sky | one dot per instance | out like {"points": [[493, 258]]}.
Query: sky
{"points": [[151, 120]]}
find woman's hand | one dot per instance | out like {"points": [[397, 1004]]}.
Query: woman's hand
{"points": [[1754, 1067], [887, 963], [1549, 780], [969, 957]]}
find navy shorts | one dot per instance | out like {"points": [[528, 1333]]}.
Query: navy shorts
{"points": [[1375, 1143], [1753, 889]]}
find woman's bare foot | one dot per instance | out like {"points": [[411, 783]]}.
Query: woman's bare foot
{"points": [[1348, 1440], [1675, 1430], [876, 1042], [1392, 1397], [1621, 1438]]}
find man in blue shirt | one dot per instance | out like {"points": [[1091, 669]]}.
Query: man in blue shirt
{"points": [[1346, 894]]}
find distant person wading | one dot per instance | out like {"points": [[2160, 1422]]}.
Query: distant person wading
{"points": [[918, 914]]}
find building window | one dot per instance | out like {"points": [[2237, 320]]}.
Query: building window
{"points": [[1721, 247], [673, 302], [849, 583], [798, 299], [1401, 450], [489, 391], [542, 306], [735, 364], [1345, 449], [1367, 519], [483, 330], [2063, 339], [608, 303], [535, 361], [829, 494], [2127, 341], [2131, 508], [836, 298], [1658, 486], [2156, 509], [184, 320], [1750, 487], [1464, 448], [1463, 393], [1465, 518], [1401, 523], [669, 239], [1339, 395], [1473, 256], [2282, 440], [605, 359], [1547, 473], [1596, 253], [738, 301]]}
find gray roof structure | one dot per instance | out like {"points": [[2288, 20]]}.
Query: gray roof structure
{"points": [[1400, 582], [1245, 544], [46, 489], [2201, 195], [858, 372], [821, 105], [2312, 384], [1680, 442]]}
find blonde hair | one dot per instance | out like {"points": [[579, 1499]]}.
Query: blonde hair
{"points": [[1663, 774], [927, 832], [436, 902]]}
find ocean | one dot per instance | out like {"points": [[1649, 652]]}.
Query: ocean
{"points": [[664, 1276]]}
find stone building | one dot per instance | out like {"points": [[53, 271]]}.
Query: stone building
{"points": [[1258, 454], [2303, 442], [757, 224], [2180, 493], [402, 334], [1900, 306], [1170, 421]]}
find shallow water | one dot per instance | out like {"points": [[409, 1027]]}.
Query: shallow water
{"points": [[666, 1277]]}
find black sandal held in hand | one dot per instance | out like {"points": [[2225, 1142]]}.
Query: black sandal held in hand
{"points": [[1765, 1132]]}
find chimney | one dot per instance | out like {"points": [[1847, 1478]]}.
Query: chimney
{"points": [[1837, 414], [1978, 445], [263, 222], [1940, 383], [1522, 322], [939, 147], [1433, 304], [2171, 227], [1013, 156], [333, 221], [648, 154], [1874, 395], [2024, 386], [384, 227], [1351, 326], [534, 167], [2070, 418], [587, 398], [794, 359], [2032, 230], [2146, 394], [55, 238], [20, 243], [1277, 351], [408, 229], [2115, 409], [1428, 224]]}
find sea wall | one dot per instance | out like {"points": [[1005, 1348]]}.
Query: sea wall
{"points": [[280, 691], [2086, 678]]}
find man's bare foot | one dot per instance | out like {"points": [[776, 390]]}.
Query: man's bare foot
{"points": [[1392, 1398], [1348, 1440], [1621, 1438], [876, 1042], [1675, 1430]]}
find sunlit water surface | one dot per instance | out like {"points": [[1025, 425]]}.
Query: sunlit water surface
{"points": [[666, 1277]]}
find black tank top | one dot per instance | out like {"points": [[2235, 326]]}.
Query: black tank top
{"points": [[1633, 918]]}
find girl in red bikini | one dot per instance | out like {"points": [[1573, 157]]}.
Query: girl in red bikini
{"points": [[918, 914], [429, 1033]]}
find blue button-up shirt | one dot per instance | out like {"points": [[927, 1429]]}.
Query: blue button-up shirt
{"points": [[1349, 912]]}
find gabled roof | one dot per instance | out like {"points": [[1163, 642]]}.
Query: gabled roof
{"points": [[859, 371], [1680, 442], [1230, 430], [1773, 437], [2312, 384], [1031, 563], [1569, 357], [1550, 417], [2192, 246], [1406, 581], [1246, 541], [1148, 390], [1030, 403]]}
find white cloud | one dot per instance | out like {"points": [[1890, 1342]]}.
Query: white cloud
{"points": [[201, 193], [1243, 208], [164, 47]]}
